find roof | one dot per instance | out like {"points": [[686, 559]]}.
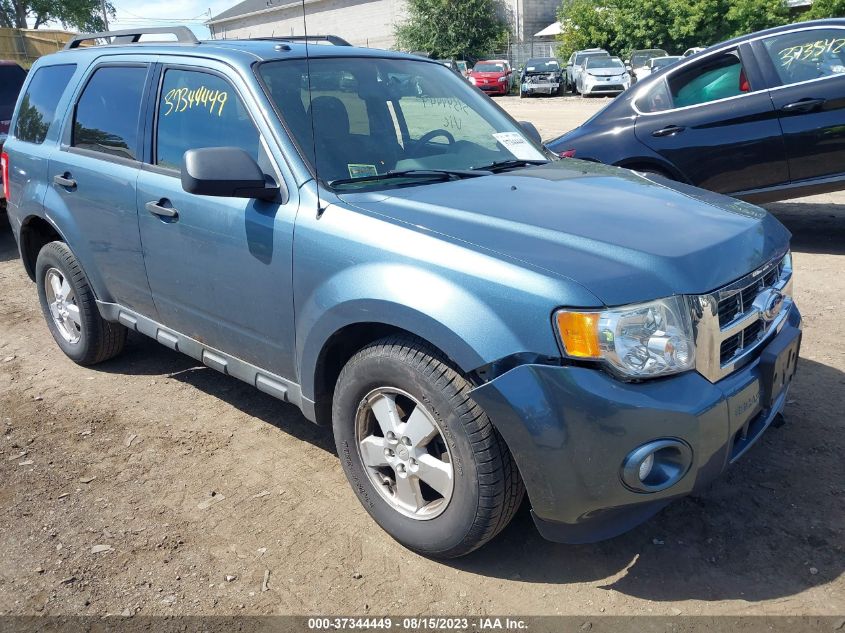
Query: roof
{"points": [[235, 51], [552, 29]]}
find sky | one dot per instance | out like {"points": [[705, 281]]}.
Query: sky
{"points": [[191, 13]]}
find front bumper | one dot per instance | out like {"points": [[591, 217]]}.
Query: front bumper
{"points": [[571, 428], [612, 87], [545, 88], [498, 88]]}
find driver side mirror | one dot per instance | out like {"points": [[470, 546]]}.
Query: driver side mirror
{"points": [[227, 172], [531, 131]]}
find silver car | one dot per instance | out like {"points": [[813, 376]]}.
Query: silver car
{"points": [[603, 75], [575, 65]]}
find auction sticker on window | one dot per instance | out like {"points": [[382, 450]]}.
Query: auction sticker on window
{"points": [[518, 146]]}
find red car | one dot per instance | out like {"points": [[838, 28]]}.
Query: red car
{"points": [[11, 80], [493, 77]]}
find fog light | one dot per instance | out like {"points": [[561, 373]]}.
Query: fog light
{"points": [[657, 465]]}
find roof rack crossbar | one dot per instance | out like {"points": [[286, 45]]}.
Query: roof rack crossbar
{"points": [[331, 39], [183, 34]]}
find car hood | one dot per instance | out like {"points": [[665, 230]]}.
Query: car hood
{"points": [[488, 75], [605, 72], [624, 238]]}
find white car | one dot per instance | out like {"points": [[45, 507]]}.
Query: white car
{"points": [[693, 51], [603, 75]]}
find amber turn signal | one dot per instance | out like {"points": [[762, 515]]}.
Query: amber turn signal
{"points": [[579, 333]]}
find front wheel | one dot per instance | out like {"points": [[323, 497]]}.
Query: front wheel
{"points": [[423, 458]]}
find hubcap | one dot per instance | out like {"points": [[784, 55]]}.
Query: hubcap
{"points": [[404, 453], [62, 304]]}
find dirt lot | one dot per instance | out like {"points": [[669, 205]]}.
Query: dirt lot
{"points": [[195, 486]]}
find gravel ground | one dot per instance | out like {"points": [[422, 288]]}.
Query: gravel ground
{"points": [[150, 485]]}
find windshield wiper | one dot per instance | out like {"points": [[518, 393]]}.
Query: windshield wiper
{"points": [[436, 174], [501, 165]]}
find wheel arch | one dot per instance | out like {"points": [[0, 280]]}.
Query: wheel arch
{"points": [[653, 165], [35, 233]]}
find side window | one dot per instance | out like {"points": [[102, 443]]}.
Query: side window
{"points": [[714, 78], [108, 111], [38, 107], [807, 55], [196, 110], [656, 99]]}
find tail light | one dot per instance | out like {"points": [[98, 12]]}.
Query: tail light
{"points": [[570, 153], [4, 166]]}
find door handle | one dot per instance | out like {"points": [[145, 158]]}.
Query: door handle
{"points": [[156, 208], [669, 130], [62, 180], [803, 105]]}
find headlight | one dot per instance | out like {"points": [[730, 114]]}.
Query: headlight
{"points": [[502, 80], [636, 341], [472, 80]]}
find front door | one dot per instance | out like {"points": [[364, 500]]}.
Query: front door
{"points": [[714, 123], [808, 70], [219, 268]]}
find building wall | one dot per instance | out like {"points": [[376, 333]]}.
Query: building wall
{"points": [[367, 22], [361, 22]]}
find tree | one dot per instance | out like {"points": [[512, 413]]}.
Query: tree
{"points": [[825, 9], [455, 30], [674, 25], [84, 15]]}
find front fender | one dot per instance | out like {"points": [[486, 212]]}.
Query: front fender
{"points": [[470, 331]]}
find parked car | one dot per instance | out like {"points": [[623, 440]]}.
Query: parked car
{"points": [[603, 75], [638, 62], [575, 65], [493, 77], [473, 317], [692, 51], [451, 64], [659, 63], [12, 77], [463, 67], [759, 117], [541, 75]]}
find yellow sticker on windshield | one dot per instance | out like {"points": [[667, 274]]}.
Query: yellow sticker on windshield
{"points": [[359, 171]]}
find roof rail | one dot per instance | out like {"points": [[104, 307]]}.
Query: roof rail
{"points": [[183, 34], [331, 39]]}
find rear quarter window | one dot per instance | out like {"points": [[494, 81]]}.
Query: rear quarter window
{"points": [[38, 107]]}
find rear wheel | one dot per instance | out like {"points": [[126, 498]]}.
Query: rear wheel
{"points": [[423, 458], [70, 309]]}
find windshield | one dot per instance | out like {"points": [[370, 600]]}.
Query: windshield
{"points": [[489, 68], [580, 58], [386, 115], [640, 59], [604, 62], [542, 65]]}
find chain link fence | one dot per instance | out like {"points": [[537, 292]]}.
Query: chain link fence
{"points": [[24, 46], [519, 53]]}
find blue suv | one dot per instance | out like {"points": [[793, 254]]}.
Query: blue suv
{"points": [[364, 235]]}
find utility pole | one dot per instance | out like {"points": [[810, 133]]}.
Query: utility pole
{"points": [[105, 14]]}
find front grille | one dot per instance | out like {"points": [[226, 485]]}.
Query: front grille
{"points": [[729, 326], [740, 302]]}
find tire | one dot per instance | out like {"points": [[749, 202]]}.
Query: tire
{"points": [[81, 333], [486, 488]]}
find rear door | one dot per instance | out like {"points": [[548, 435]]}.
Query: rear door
{"points": [[713, 120], [220, 268], [807, 68], [92, 178]]}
